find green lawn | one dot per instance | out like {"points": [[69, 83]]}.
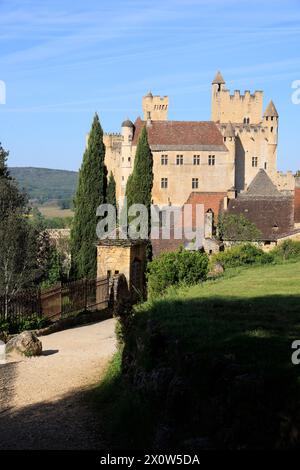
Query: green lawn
{"points": [[229, 342]]}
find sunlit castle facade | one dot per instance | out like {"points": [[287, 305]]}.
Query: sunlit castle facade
{"points": [[220, 157]]}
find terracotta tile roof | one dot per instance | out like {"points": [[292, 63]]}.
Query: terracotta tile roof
{"points": [[175, 135]]}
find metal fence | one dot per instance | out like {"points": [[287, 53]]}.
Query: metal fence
{"points": [[58, 302]]}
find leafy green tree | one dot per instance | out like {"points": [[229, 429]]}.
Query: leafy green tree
{"points": [[140, 182], [237, 228], [22, 255], [91, 192]]}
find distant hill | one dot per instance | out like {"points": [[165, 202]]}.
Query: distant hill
{"points": [[44, 185]]}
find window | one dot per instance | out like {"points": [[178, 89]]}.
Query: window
{"points": [[254, 162], [179, 160], [164, 159], [272, 129], [195, 183], [266, 165], [196, 159], [129, 159], [164, 183], [211, 160]]}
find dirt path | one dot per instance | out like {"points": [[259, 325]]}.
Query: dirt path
{"points": [[42, 399]]}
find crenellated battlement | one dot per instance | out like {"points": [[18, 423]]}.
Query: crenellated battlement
{"points": [[237, 107], [284, 181], [155, 107], [246, 96], [116, 134]]}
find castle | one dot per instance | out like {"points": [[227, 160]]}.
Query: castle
{"points": [[211, 162], [215, 156]]}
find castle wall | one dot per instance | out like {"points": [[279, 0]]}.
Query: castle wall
{"points": [[297, 200], [283, 181], [251, 143], [217, 178], [113, 143], [236, 107], [157, 106]]}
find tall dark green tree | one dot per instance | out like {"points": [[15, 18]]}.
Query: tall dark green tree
{"points": [[111, 191], [139, 184], [91, 192]]}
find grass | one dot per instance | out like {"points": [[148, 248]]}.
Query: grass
{"points": [[246, 320], [54, 211]]}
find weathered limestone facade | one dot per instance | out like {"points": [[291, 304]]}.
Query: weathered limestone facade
{"points": [[126, 257], [217, 156]]}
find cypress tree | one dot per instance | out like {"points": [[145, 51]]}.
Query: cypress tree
{"points": [[139, 184], [91, 192], [111, 191]]}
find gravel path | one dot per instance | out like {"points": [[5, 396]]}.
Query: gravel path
{"points": [[43, 401]]}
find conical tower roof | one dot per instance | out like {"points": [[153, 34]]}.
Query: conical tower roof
{"points": [[219, 79], [261, 186], [271, 110]]}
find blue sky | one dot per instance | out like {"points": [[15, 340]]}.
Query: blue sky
{"points": [[64, 60]]}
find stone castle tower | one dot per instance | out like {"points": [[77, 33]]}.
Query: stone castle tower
{"points": [[214, 157], [255, 133]]}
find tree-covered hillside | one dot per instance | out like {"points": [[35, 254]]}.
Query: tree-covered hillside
{"points": [[45, 185]]}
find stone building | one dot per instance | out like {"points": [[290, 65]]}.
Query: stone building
{"points": [[206, 162], [204, 156], [297, 200], [271, 210]]}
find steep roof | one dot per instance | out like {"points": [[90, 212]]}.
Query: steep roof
{"points": [[218, 79], [271, 110], [173, 135], [261, 187]]}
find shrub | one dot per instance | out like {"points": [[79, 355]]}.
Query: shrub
{"points": [[289, 249], [241, 255], [182, 266], [29, 324], [238, 228]]}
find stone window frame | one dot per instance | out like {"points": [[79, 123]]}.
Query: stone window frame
{"points": [[211, 160], [164, 159], [196, 160], [195, 183], [254, 162], [179, 160], [164, 183]]}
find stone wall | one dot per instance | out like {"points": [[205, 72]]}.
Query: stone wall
{"points": [[297, 200]]}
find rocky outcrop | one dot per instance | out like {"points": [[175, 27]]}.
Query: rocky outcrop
{"points": [[25, 344]]}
